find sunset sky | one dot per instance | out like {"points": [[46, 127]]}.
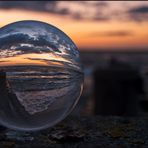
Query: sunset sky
{"points": [[90, 24]]}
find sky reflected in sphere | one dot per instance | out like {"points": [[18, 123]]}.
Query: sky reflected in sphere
{"points": [[41, 76]]}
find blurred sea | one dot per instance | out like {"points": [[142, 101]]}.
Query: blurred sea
{"points": [[36, 87]]}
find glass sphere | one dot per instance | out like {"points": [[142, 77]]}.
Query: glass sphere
{"points": [[41, 77]]}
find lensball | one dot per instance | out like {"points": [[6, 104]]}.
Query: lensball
{"points": [[41, 76]]}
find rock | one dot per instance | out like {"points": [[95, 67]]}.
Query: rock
{"points": [[87, 132]]}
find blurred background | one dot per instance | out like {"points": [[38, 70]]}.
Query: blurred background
{"points": [[112, 37]]}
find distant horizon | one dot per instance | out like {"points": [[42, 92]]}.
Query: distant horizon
{"points": [[113, 49]]}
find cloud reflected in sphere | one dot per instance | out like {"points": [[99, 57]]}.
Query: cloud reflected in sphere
{"points": [[41, 76]]}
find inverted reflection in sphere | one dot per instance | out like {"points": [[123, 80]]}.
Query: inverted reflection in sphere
{"points": [[40, 75]]}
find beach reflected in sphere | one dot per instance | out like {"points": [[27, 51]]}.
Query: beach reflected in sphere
{"points": [[41, 76]]}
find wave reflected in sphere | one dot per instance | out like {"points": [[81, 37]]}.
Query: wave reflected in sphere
{"points": [[41, 77]]}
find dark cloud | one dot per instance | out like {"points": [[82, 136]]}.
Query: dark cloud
{"points": [[96, 9], [45, 6], [54, 8], [18, 44], [121, 33], [139, 13], [30, 5], [42, 6], [17, 39], [141, 10], [13, 39], [33, 49]]}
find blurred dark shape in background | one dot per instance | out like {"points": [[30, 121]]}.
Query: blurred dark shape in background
{"points": [[116, 83], [117, 89]]}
